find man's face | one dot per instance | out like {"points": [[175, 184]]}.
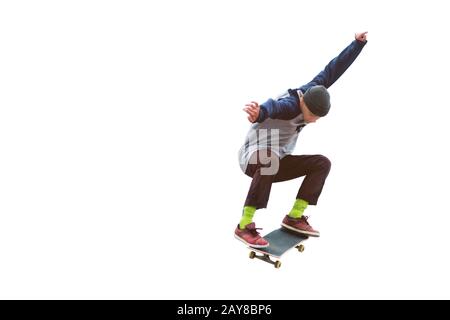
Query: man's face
{"points": [[308, 116]]}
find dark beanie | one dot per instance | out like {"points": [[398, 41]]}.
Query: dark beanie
{"points": [[317, 100]]}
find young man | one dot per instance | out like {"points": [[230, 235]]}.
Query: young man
{"points": [[266, 155]]}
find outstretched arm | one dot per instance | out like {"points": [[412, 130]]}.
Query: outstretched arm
{"points": [[338, 65], [287, 108]]}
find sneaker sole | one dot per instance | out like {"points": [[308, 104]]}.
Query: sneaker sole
{"points": [[251, 245], [312, 234]]}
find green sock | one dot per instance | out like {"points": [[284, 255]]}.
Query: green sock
{"points": [[247, 216], [298, 208]]}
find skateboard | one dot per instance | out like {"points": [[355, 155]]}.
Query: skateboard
{"points": [[281, 240]]}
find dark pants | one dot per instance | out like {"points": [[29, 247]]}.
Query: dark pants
{"points": [[314, 167]]}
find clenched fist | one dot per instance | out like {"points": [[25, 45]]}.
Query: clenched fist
{"points": [[362, 36]]}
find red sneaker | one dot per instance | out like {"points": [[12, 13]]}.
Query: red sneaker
{"points": [[300, 225], [250, 236]]}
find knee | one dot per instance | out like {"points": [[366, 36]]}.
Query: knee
{"points": [[323, 163]]}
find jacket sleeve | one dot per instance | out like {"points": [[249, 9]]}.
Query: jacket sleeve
{"points": [[284, 109], [337, 66]]}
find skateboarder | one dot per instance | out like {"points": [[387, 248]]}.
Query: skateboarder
{"points": [[266, 154]]}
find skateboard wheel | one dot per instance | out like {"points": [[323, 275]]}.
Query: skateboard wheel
{"points": [[301, 248], [277, 264], [252, 254]]}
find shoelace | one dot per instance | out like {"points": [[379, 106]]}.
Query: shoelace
{"points": [[254, 231], [306, 219]]}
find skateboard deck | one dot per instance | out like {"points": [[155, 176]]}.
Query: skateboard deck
{"points": [[281, 240]]}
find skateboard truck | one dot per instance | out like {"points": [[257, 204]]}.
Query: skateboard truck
{"points": [[266, 258]]}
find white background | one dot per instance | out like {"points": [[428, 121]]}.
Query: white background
{"points": [[120, 123]]}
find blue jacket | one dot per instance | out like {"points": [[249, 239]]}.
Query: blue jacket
{"points": [[288, 108]]}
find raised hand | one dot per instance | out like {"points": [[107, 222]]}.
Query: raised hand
{"points": [[252, 109], [361, 36]]}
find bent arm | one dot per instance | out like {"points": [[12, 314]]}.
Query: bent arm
{"points": [[284, 109]]}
